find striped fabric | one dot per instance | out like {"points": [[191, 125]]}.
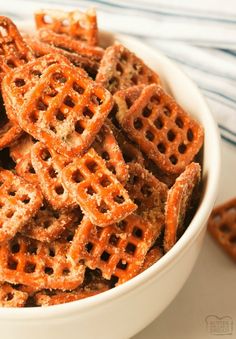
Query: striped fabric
{"points": [[198, 35]]}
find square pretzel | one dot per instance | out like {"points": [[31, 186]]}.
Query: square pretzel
{"points": [[48, 166], [98, 192], [163, 130], [19, 202], [117, 250], [79, 25], [69, 120], [13, 50], [121, 69], [38, 265]]}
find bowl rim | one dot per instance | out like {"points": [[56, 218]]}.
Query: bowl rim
{"points": [[166, 262]]}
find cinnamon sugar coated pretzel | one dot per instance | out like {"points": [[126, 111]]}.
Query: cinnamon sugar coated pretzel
{"points": [[117, 250], [68, 120], [79, 25], [164, 132], [100, 195], [39, 265], [121, 69], [178, 200], [222, 227], [19, 201], [99, 166]]}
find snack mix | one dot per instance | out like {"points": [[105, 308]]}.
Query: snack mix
{"points": [[99, 167]]}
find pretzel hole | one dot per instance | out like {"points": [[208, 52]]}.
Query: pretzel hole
{"points": [[15, 248], [66, 272], [122, 225], [114, 82], [33, 116], [31, 169], [52, 128], [92, 166], [105, 256], [60, 116], [45, 155], [10, 214], [105, 182], [182, 148], [103, 208], [179, 122], [87, 112], [124, 57], [171, 135], [134, 79], [89, 247], [59, 190], [158, 123], [96, 100], [52, 252], [12, 193], [46, 224], [68, 101], [19, 82], [138, 124], [149, 135], [29, 267], [90, 190], [43, 207], [146, 190], [129, 102], [173, 159], [11, 63], [138, 202], [224, 228], [41, 106], [105, 156], [47, 19], [25, 199], [161, 148], [111, 168], [36, 73], [137, 232], [78, 128], [32, 249], [113, 240], [48, 270], [155, 99], [122, 265], [119, 199], [12, 263], [9, 296], [56, 214], [119, 68], [52, 173], [77, 176], [130, 248], [77, 88], [190, 135], [59, 77], [146, 112], [233, 240], [166, 111]]}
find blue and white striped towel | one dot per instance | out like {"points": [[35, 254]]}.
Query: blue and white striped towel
{"points": [[200, 35]]}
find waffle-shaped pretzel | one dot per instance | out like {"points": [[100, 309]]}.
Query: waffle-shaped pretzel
{"points": [[120, 69], [178, 201], [222, 226], [152, 256], [148, 193], [117, 250], [164, 132], [13, 50], [77, 24], [69, 120], [107, 147], [25, 169], [19, 201], [21, 147], [98, 192], [71, 45], [9, 133], [39, 265], [41, 48], [47, 225], [20, 81], [48, 166], [11, 297]]}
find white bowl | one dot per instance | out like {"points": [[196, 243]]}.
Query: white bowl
{"points": [[125, 310]]}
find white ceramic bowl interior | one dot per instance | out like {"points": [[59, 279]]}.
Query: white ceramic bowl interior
{"points": [[125, 310]]}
